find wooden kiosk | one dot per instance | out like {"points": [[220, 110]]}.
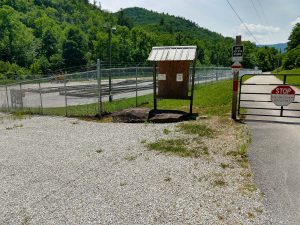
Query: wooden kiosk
{"points": [[171, 76]]}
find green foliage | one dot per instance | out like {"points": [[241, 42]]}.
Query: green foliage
{"points": [[45, 36], [294, 39], [291, 58], [74, 47], [199, 129]]}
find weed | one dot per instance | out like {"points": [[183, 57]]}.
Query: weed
{"points": [[168, 179], [131, 157], [244, 163], [220, 217], [240, 156], [18, 115], [199, 129], [14, 126], [250, 215], [177, 147], [225, 166], [166, 131], [250, 187], [199, 151], [25, 220], [205, 150], [219, 183], [259, 210], [246, 175], [143, 141], [123, 184], [99, 151]]}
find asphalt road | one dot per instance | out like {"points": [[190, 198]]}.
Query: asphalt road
{"points": [[275, 157]]}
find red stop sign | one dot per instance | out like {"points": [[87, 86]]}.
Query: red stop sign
{"points": [[283, 90], [283, 95]]}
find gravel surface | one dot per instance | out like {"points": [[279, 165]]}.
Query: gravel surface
{"points": [[57, 170]]}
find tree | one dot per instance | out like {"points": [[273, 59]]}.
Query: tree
{"points": [[291, 59], [17, 43], [294, 39], [162, 21], [74, 47], [49, 43], [124, 20]]}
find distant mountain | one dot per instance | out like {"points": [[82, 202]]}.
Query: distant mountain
{"points": [[280, 46]]}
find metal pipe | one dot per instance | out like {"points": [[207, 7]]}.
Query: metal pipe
{"points": [[66, 100], [41, 99], [7, 101], [136, 87]]}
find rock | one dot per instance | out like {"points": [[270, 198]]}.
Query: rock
{"points": [[132, 115], [169, 116]]}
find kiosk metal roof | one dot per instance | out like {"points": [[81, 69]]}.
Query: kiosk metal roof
{"points": [[173, 53]]}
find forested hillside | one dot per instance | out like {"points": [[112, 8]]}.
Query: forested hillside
{"points": [[291, 59], [43, 37]]}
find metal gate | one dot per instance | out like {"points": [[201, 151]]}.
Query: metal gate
{"points": [[255, 97]]}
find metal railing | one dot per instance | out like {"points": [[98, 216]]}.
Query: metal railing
{"points": [[255, 98]]}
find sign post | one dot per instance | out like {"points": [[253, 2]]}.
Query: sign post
{"points": [[237, 56]]}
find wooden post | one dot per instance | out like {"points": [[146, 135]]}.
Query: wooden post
{"points": [[193, 84], [235, 84], [154, 86]]}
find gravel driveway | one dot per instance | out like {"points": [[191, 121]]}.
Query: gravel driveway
{"points": [[57, 170]]}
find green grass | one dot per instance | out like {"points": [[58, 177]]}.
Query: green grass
{"points": [[225, 166], [130, 157], [290, 79], [219, 183], [175, 146], [211, 99], [166, 131], [199, 129], [178, 147]]}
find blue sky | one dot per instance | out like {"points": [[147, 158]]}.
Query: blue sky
{"points": [[270, 21]]}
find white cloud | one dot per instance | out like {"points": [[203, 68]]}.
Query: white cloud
{"points": [[259, 29], [293, 23]]}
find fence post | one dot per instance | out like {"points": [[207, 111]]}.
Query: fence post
{"points": [[21, 95], [136, 86], [198, 75], [66, 100], [99, 87], [41, 100], [7, 101]]}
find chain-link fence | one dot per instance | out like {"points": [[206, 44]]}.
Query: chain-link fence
{"points": [[89, 93]]}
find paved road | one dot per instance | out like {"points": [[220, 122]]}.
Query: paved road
{"points": [[275, 160]]}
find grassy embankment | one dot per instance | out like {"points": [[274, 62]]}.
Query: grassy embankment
{"points": [[290, 79], [210, 99]]}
